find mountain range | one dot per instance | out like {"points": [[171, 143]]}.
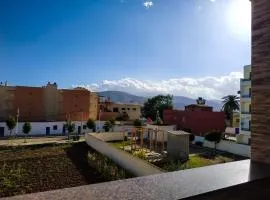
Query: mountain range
{"points": [[179, 102]]}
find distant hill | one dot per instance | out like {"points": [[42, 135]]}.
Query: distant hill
{"points": [[123, 97], [179, 101]]}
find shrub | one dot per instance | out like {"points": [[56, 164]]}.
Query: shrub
{"points": [[199, 143], [137, 123], [11, 124], [107, 126], [191, 137], [214, 136], [90, 124], [140, 154]]}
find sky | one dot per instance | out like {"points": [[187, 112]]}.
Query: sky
{"points": [[183, 47]]}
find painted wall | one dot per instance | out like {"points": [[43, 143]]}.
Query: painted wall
{"points": [[231, 147], [199, 122], [39, 128]]}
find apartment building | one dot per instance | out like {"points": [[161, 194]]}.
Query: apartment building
{"points": [[245, 106], [47, 103], [110, 110], [197, 119]]}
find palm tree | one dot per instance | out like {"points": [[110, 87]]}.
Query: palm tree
{"points": [[230, 104]]}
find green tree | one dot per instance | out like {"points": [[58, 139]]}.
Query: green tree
{"points": [[91, 124], [112, 123], [230, 104], [157, 104], [11, 124], [70, 127], [26, 129], [107, 126], [137, 123], [214, 136]]}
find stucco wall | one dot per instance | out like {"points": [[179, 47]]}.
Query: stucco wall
{"points": [[231, 147], [39, 128]]}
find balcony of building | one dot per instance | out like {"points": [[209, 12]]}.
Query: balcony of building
{"points": [[245, 82]]}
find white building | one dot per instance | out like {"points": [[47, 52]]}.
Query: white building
{"points": [[245, 106]]}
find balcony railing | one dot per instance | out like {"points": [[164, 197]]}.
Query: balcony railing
{"points": [[245, 129], [246, 95], [245, 79], [245, 112]]}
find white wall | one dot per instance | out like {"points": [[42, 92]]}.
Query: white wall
{"points": [[160, 132], [39, 128], [229, 146]]}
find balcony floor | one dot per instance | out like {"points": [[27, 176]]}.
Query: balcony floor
{"points": [[223, 181]]}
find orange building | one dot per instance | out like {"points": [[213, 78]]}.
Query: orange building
{"points": [[47, 103]]}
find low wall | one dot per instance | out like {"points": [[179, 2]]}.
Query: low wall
{"points": [[229, 146], [109, 136], [135, 165]]}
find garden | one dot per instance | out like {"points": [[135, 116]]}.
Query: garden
{"points": [[36, 168], [198, 157]]}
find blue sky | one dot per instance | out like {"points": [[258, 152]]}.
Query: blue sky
{"points": [[89, 42]]}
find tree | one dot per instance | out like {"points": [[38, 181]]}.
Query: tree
{"points": [[214, 136], [112, 123], [107, 126], [91, 124], [137, 123], [230, 104], [11, 124], [157, 104], [26, 129], [70, 127]]}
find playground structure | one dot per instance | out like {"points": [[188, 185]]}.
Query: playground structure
{"points": [[146, 138]]}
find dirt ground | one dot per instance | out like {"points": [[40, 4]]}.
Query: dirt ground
{"points": [[37, 168]]}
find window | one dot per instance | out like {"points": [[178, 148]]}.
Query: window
{"points": [[123, 108], [237, 120], [134, 109], [84, 126], [128, 108], [55, 127]]}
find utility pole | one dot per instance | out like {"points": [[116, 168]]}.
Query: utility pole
{"points": [[17, 115], [81, 122], [99, 120]]}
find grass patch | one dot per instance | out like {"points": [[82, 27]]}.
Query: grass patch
{"points": [[120, 144], [195, 161]]}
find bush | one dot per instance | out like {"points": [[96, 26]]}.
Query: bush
{"points": [[191, 137], [90, 124], [214, 136], [199, 143], [107, 126], [140, 154], [76, 138], [137, 123]]}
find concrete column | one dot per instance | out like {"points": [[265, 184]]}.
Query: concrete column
{"points": [[260, 126]]}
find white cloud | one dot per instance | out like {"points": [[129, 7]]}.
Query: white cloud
{"points": [[209, 87], [148, 4], [212, 0]]}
